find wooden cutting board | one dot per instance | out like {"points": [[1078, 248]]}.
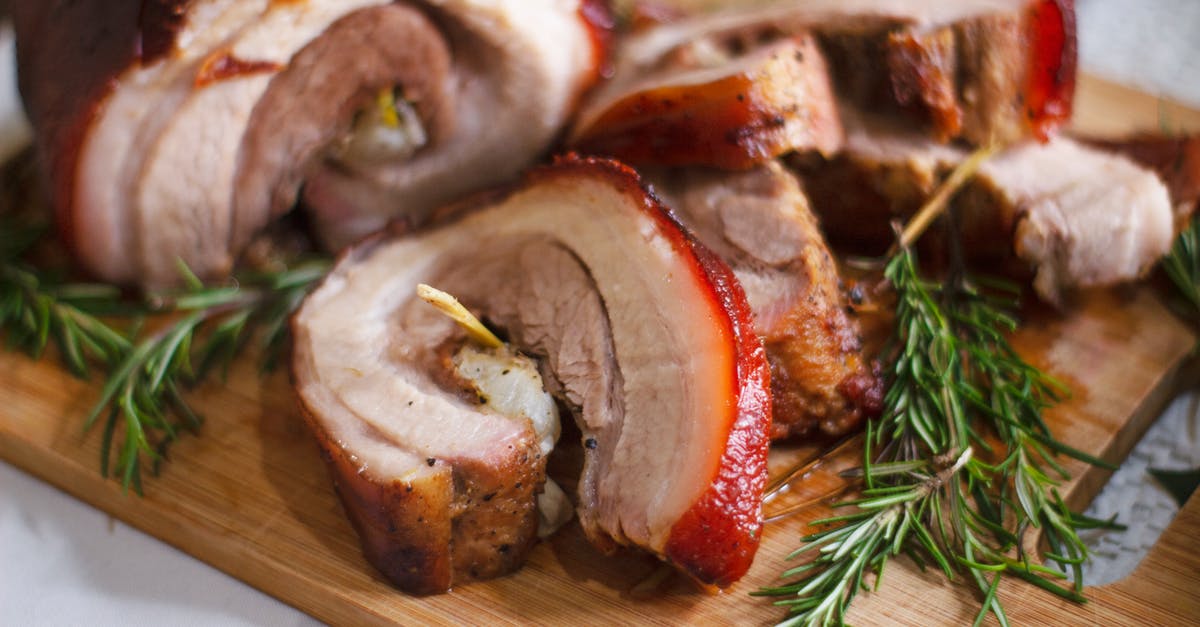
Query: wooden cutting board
{"points": [[250, 496]]}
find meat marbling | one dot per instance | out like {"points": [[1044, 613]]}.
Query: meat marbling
{"points": [[642, 333]]}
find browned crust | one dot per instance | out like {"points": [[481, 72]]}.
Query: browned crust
{"points": [[999, 77], [819, 378], [993, 58], [924, 68], [782, 103], [405, 528], [467, 521]]}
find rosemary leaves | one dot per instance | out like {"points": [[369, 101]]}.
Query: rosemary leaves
{"points": [[959, 469], [1182, 265], [197, 329]]}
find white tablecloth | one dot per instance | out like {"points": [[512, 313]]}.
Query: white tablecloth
{"points": [[64, 563]]}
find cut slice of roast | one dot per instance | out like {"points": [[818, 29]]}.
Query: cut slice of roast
{"points": [[710, 104], [1176, 160], [643, 334], [178, 129], [1073, 216], [760, 223], [976, 70]]}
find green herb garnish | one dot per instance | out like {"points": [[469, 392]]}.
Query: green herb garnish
{"points": [[192, 332], [961, 467]]}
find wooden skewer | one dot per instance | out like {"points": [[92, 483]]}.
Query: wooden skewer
{"points": [[803, 505], [775, 488], [450, 306], [941, 198]]}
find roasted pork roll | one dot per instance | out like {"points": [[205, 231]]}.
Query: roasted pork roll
{"points": [[640, 332], [974, 70], [177, 129], [705, 120], [1068, 215], [760, 223]]}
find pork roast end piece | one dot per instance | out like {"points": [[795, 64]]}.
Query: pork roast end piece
{"points": [[641, 332]]}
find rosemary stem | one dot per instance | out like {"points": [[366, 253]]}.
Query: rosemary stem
{"points": [[937, 204]]}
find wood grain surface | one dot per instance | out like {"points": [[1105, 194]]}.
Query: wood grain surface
{"points": [[251, 497]]}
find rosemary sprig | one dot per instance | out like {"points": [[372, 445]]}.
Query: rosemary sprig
{"points": [[199, 328], [143, 393], [958, 470], [35, 310], [1182, 265], [961, 466]]}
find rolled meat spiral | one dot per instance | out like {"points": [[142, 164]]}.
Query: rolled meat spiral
{"points": [[177, 129]]}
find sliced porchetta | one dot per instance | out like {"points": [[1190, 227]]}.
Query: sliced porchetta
{"points": [[176, 129], [760, 223], [643, 334], [1175, 158], [722, 103], [976, 70], [1074, 216]]}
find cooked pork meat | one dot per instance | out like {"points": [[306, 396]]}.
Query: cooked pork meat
{"points": [[976, 70], [707, 105], [760, 223], [1073, 216], [178, 129], [642, 333], [510, 384], [1176, 160]]}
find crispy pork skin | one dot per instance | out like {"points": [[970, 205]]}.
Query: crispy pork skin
{"points": [[643, 334], [708, 105], [177, 129], [1072, 216], [975, 70], [760, 223]]}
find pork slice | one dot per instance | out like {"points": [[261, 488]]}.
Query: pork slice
{"points": [[709, 104], [93, 142], [189, 125], [998, 74], [979, 70], [184, 192], [1074, 216], [760, 223], [642, 333], [518, 69]]}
